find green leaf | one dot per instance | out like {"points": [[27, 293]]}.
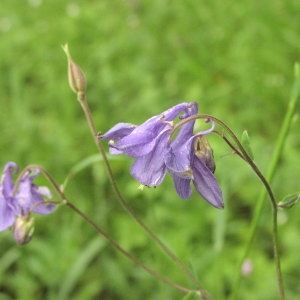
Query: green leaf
{"points": [[289, 200], [83, 164], [191, 296], [246, 144]]}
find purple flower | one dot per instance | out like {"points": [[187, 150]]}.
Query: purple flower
{"points": [[26, 197], [187, 158], [147, 143]]}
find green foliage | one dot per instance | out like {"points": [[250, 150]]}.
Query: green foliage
{"points": [[235, 58]]}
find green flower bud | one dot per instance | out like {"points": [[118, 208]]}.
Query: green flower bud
{"points": [[77, 80], [23, 229], [204, 152]]}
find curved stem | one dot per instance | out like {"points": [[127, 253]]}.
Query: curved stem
{"points": [[65, 201], [127, 208], [124, 252]]}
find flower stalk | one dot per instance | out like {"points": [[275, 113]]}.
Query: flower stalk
{"points": [[65, 201], [124, 204]]}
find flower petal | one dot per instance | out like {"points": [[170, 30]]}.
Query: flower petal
{"points": [[137, 143], [7, 215], [178, 159], [118, 131], [150, 169], [30, 194], [186, 130], [206, 184], [37, 192], [6, 181], [182, 186]]}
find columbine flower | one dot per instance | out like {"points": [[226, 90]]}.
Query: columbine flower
{"points": [[187, 158], [147, 143], [25, 200]]}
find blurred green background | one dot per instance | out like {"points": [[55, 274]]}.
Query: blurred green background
{"points": [[235, 58]]}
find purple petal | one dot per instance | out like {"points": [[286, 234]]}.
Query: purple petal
{"points": [[150, 169], [171, 113], [6, 180], [186, 130], [37, 192], [178, 159], [206, 184], [118, 131], [7, 215], [7, 205], [182, 186], [30, 194], [137, 143]]}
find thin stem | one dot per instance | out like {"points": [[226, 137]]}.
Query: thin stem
{"points": [[65, 201], [123, 251], [128, 209], [235, 151]]}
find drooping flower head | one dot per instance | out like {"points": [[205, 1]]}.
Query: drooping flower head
{"points": [[187, 158], [25, 199], [147, 143]]}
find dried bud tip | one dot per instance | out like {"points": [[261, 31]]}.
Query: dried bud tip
{"points": [[23, 229], [204, 152], [77, 80]]}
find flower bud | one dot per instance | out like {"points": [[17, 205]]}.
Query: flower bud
{"points": [[23, 229], [204, 152], [77, 80]]}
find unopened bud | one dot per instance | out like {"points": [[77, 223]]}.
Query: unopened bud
{"points": [[204, 152], [23, 229], [77, 80]]}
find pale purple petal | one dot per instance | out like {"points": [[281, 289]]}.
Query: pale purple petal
{"points": [[7, 214], [173, 112], [30, 194], [136, 144], [182, 186], [37, 192], [118, 131], [150, 169], [186, 130], [206, 184], [7, 205], [6, 181], [178, 159]]}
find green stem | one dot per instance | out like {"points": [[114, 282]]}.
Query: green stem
{"points": [[124, 252], [127, 208], [65, 201]]}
